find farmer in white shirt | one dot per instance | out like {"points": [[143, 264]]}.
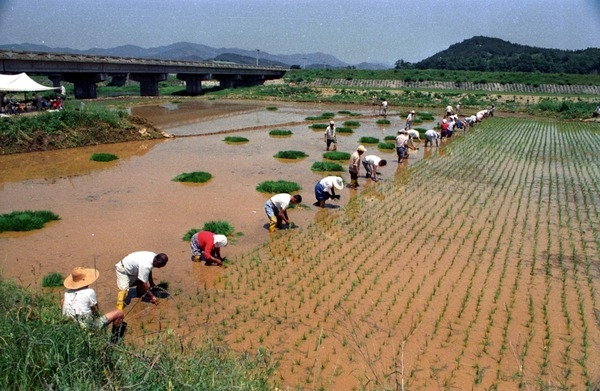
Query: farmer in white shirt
{"points": [[81, 304], [136, 270], [276, 209], [431, 135], [371, 163], [325, 189]]}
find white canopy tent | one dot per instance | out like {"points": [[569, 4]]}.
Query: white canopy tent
{"points": [[21, 83]]}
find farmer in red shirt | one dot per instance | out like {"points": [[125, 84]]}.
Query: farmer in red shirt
{"points": [[206, 246]]}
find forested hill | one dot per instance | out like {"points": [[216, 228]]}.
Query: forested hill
{"points": [[497, 55]]}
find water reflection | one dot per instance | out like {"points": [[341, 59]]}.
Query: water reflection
{"points": [[50, 165]]}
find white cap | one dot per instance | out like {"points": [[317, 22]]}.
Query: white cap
{"points": [[220, 240]]}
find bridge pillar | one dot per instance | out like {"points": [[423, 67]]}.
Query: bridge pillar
{"points": [[229, 81], [148, 82], [118, 80], [55, 78], [193, 83], [84, 84]]}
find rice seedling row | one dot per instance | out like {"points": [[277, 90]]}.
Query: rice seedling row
{"points": [[476, 268]]}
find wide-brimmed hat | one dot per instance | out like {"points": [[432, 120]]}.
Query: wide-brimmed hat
{"points": [[402, 131], [80, 277], [412, 112], [220, 240], [338, 183], [331, 123], [361, 148]]}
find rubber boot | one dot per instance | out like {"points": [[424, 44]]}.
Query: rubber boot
{"points": [[196, 258], [121, 296], [272, 224], [118, 332]]}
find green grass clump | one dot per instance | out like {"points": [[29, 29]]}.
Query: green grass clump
{"points": [[386, 145], [425, 116], [389, 138], [218, 227], [27, 220], [324, 116], [383, 122], [52, 280], [271, 108], [279, 186], [368, 140], [344, 112], [326, 166], [344, 130], [103, 157], [280, 132], [351, 124], [42, 350], [235, 140], [193, 177], [318, 126], [290, 155], [336, 155]]}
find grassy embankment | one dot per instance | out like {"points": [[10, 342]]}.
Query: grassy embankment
{"points": [[70, 128], [43, 351]]}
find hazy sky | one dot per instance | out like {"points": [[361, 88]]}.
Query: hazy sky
{"points": [[354, 31]]}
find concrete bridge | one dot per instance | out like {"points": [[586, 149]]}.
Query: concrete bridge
{"points": [[85, 71]]}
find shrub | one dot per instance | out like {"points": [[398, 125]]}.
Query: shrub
{"points": [[279, 186], [103, 157], [383, 122], [353, 124], [271, 108], [336, 155], [52, 280], [326, 166], [368, 140], [290, 155], [390, 137], [280, 132], [235, 140], [26, 220], [194, 177], [318, 126]]}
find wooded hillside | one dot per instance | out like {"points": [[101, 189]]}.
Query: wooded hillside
{"points": [[496, 55]]}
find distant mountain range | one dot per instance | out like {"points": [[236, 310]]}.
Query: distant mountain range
{"points": [[187, 51]]}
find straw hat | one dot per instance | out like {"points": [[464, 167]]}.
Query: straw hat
{"points": [[331, 123], [361, 148], [338, 183], [80, 277], [220, 240], [412, 112]]}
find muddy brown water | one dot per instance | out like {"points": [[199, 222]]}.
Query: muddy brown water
{"points": [[108, 210]]}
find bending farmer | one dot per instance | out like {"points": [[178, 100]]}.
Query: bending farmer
{"points": [[275, 208], [136, 270], [81, 304], [206, 246], [325, 189]]}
